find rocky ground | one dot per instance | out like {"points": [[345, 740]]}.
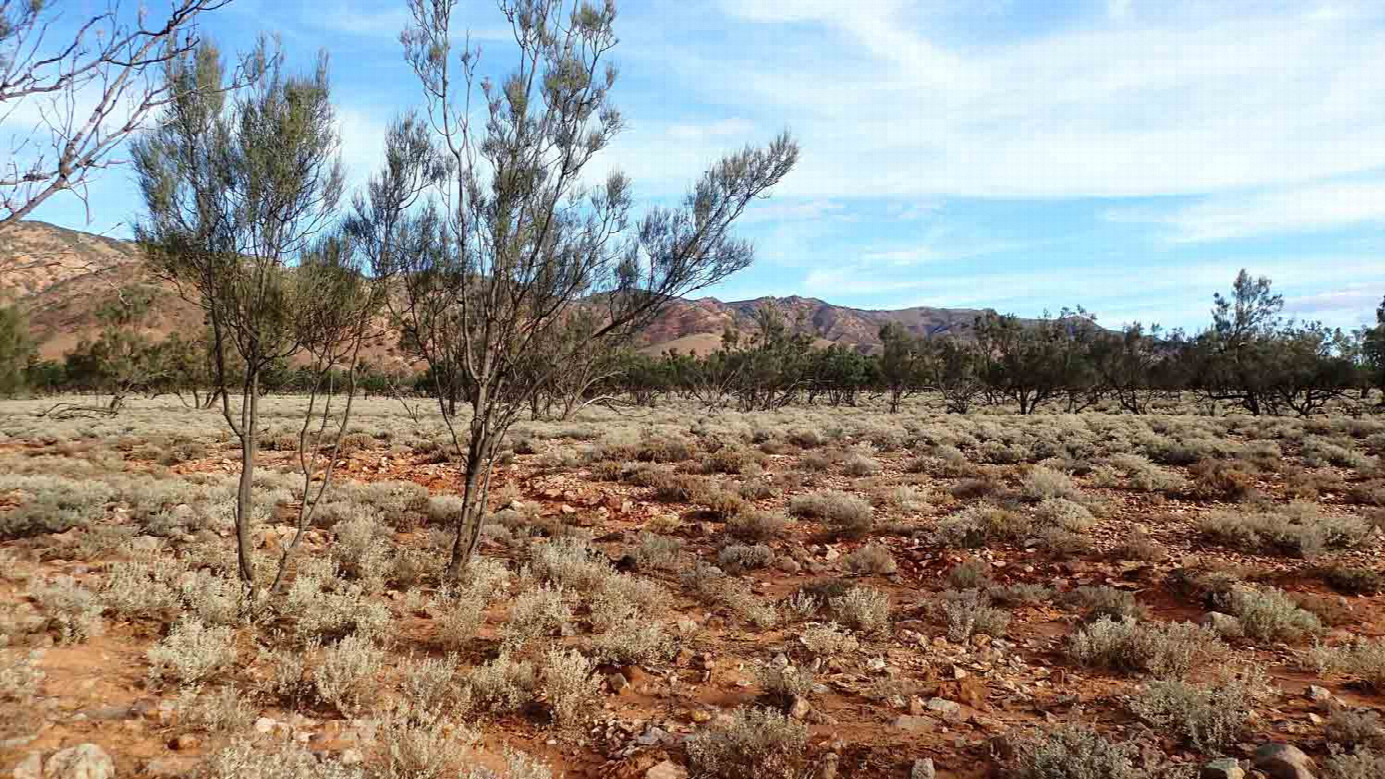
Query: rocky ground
{"points": [[812, 592]]}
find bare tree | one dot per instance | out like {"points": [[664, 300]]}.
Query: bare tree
{"points": [[519, 239], [238, 195], [72, 100]]}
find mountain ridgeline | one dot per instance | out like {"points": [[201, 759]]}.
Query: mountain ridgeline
{"points": [[61, 277]]}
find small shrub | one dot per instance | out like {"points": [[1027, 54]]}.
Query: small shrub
{"points": [[1223, 480], [972, 573], [828, 640], [739, 557], [860, 465], [729, 460], [570, 686], [1207, 718], [1133, 472], [1066, 514], [1353, 580], [427, 684], [324, 606], [569, 562], [635, 641], [1103, 601], [755, 744], [243, 760], [782, 683], [502, 685], [1165, 650], [1042, 482], [968, 612], [1362, 659], [863, 608], [417, 746], [846, 513], [1064, 544], [457, 616], [1140, 548], [537, 613], [871, 559], [722, 504], [19, 676], [1074, 752], [191, 653], [223, 711], [1019, 594], [978, 526], [1361, 764], [1298, 531], [659, 553], [756, 525], [75, 610], [904, 498], [1354, 729], [345, 676], [1270, 615]]}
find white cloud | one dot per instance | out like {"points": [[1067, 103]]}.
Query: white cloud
{"points": [[1342, 288], [1312, 208], [726, 128], [1352, 303], [1197, 98], [794, 210]]}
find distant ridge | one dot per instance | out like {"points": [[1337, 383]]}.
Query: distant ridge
{"points": [[62, 276]]}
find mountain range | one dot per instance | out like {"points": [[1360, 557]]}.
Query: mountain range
{"points": [[62, 276]]}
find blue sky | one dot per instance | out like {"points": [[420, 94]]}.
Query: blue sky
{"points": [[1126, 155]]}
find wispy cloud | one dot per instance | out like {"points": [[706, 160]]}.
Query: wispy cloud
{"points": [[1197, 98], [1310, 208]]}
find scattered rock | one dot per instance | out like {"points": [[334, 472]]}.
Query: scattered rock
{"points": [[184, 742], [30, 768], [923, 769], [617, 682], [666, 770], [1283, 761], [264, 725], [84, 761], [914, 724], [1319, 695], [1223, 768], [1222, 624], [945, 708], [352, 756], [789, 565], [799, 707], [652, 737], [701, 715], [827, 769]]}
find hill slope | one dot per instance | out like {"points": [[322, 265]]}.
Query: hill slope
{"points": [[62, 275]]}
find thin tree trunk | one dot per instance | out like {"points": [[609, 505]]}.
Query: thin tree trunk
{"points": [[244, 491]]}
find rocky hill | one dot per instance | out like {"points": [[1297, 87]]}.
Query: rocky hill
{"points": [[62, 275]]}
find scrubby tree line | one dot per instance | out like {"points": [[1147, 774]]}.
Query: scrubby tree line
{"points": [[1250, 357]]}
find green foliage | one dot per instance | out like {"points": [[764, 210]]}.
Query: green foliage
{"points": [[16, 349]]}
